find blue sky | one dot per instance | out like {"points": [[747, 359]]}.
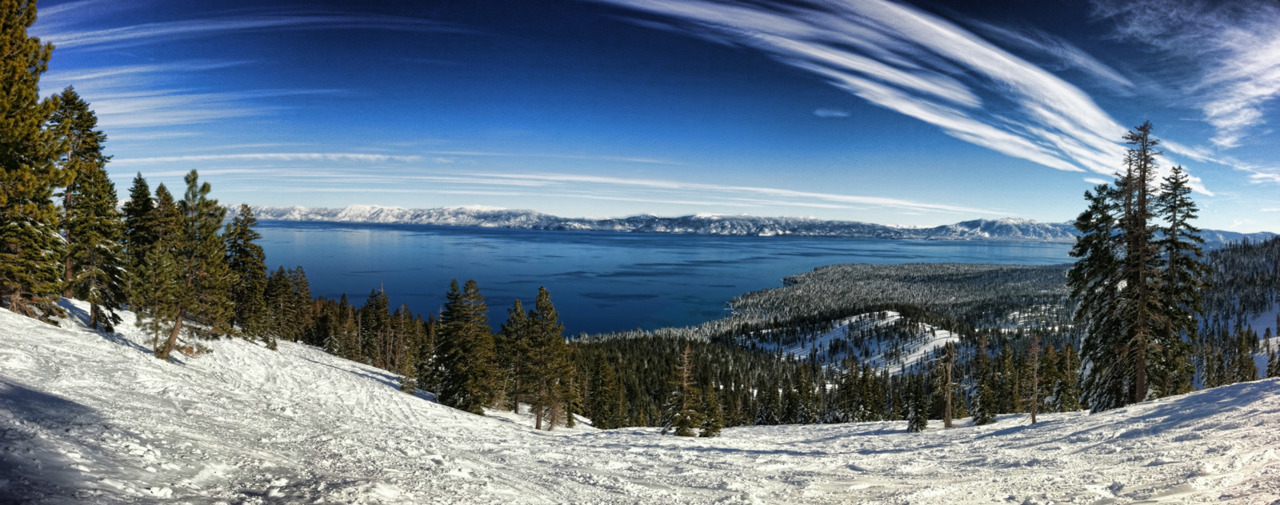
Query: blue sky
{"points": [[866, 110]]}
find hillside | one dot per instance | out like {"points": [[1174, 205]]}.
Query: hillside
{"points": [[93, 418]]}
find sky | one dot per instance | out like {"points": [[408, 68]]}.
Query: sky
{"points": [[903, 113]]}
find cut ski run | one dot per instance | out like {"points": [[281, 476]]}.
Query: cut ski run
{"points": [[94, 418]]}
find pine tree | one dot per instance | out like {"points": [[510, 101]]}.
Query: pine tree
{"points": [[76, 125], [985, 405], [1067, 395], [278, 302], [139, 232], [95, 253], [917, 397], [550, 371], [30, 247], [468, 366], [1135, 292], [514, 349], [1182, 280], [713, 413], [608, 399], [681, 414], [1244, 368], [204, 277], [155, 287], [1033, 370], [249, 270], [301, 316]]}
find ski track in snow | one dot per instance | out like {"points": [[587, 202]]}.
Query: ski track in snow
{"points": [[93, 418]]}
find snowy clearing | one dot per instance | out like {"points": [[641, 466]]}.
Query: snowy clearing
{"points": [[92, 418], [879, 352]]}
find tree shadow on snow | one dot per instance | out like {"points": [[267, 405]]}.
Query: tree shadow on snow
{"points": [[82, 316], [32, 461]]}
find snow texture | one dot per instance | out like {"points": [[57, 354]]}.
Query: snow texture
{"points": [[93, 418]]}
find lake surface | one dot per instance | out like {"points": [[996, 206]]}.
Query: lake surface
{"points": [[599, 281]]}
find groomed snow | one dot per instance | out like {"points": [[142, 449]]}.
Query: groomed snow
{"points": [[90, 418]]}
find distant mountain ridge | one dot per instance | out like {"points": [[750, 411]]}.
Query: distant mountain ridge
{"points": [[1007, 229]]}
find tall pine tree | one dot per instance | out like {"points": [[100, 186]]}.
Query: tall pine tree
{"points": [[204, 280], [139, 232], [1135, 291], [30, 247], [469, 372], [249, 273]]}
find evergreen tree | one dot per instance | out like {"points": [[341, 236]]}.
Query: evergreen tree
{"points": [[681, 414], [1182, 280], [1136, 293], [468, 366], [155, 287], [249, 270], [95, 253], [1067, 395], [139, 232], [917, 397], [1033, 370], [985, 405], [608, 399], [550, 372], [204, 278], [515, 349], [30, 247], [278, 302], [1244, 368], [301, 316], [76, 125], [713, 413]]}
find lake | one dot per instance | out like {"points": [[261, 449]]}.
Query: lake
{"points": [[599, 281]]}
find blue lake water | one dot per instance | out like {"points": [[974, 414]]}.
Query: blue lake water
{"points": [[598, 281]]}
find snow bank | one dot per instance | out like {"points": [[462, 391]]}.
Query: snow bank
{"points": [[92, 418]]}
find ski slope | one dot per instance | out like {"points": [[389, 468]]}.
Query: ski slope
{"points": [[92, 418]]}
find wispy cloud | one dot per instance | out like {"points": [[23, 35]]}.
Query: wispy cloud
{"points": [[60, 26], [1062, 54], [565, 156], [1231, 48], [131, 97], [923, 66], [791, 197], [831, 113], [329, 157]]}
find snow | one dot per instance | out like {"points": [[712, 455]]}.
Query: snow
{"points": [[93, 418], [880, 353]]}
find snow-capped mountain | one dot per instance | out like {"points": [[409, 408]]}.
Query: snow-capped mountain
{"points": [[700, 224]]}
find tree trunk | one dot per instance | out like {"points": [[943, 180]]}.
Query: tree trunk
{"points": [[173, 335], [93, 315]]}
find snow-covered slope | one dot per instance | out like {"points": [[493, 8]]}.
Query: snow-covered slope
{"points": [[913, 343], [92, 418]]}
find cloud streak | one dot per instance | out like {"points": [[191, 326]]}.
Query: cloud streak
{"points": [[923, 66], [309, 157], [58, 26], [1233, 46]]}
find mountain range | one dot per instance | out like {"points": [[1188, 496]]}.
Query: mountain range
{"points": [[1007, 229]]}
